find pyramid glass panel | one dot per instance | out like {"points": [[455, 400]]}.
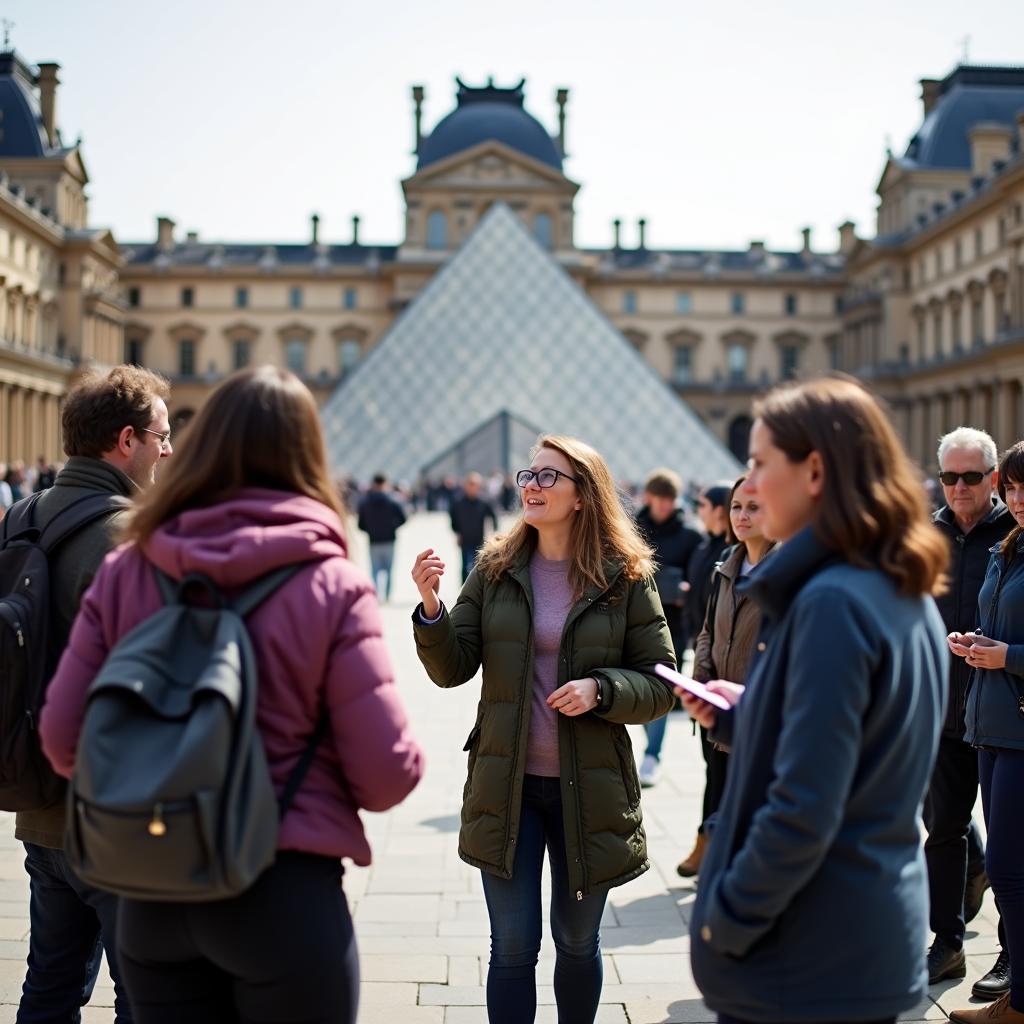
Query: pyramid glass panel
{"points": [[503, 328]]}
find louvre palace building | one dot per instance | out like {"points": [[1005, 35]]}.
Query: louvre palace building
{"points": [[927, 307]]}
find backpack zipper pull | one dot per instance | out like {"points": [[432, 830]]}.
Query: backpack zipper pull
{"points": [[21, 635], [156, 825], [579, 895]]}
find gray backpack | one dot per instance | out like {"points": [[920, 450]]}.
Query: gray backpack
{"points": [[171, 797]]}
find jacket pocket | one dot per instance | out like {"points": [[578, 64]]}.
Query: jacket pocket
{"points": [[627, 768], [474, 735]]}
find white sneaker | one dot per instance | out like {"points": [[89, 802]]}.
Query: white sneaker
{"points": [[649, 771]]}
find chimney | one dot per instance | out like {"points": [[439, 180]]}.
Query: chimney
{"points": [[641, 225], [847, 236], [417, 99], [616, 231], [561, 98], [315, 221], [48, 82], [806, 232], [164, 233], [192, 237], [990, 141], [355, 229], [929, 94]]}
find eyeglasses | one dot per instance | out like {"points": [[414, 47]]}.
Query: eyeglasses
{"points": [[165, 439], [544, 477], [972, 478]]}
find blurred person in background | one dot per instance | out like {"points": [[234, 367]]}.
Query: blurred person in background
{"points": [[380, 516], [470, 514]]}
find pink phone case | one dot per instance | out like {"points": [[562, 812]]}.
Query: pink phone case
{"points": [[670, 675]]}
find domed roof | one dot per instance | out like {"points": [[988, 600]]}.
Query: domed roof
{"points": [[968, 96], [488, 113], [23, 133]]}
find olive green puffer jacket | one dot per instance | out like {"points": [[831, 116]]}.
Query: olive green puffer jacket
{"points": [[618, 634]]}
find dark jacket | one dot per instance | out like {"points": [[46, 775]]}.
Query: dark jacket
{"points": [[702, 564], [970, 555], [725, 646], [995, 699], [813, 899], [618, 634], [469, 517], [380, 516], [674, 544], [72, 568]]}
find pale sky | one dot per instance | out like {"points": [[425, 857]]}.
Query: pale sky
{"points": [[718, 122]]}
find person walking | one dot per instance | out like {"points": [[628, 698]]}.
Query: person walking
{"points": [[116, 433], [662, 525], [972, 519], [726, 642], [470, 514], [380, 516], [563, 615], [812, 904], [248, 493], [994, 724]]}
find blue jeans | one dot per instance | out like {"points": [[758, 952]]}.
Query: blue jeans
{"points": [[514, 907], [1001, 774], [382, 555], [71, 925], [655, 736]]}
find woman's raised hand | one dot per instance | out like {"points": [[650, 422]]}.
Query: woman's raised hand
{"points": [[427, 571]]}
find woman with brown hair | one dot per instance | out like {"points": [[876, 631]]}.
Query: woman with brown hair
{"points": [[563, 615], [813, 902], [248, 493]]}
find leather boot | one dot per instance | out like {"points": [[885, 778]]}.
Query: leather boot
{"points": [[999, 1012], [690, 865], [996, 982]]}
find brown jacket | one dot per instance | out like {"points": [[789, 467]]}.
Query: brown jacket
{"points": [[724, 647]]}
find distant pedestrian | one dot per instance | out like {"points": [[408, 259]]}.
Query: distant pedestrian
{"points": [[6, 495], [45, 475], [470, 514], [564, 617], [380, 516], [813, 898]]}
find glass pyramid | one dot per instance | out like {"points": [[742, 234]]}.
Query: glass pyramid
{"points": [[503, 328], [503, 442]]}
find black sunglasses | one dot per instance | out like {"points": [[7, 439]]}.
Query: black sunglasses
{"points": [[972, 478], [545, 477]]}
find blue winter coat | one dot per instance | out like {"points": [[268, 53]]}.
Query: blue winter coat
{"points": [[995, 699], [813, 903]]}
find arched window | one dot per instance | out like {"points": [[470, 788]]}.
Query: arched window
{"points": [[542, 229], [437, 230], [349, 354], [739, 356], [295, 356]]}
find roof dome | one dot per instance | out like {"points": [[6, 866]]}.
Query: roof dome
{"points": [[489, 113], [23, 133], [968, 96]]}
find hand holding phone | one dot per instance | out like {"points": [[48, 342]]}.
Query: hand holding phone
{"points": [[670, 675]]}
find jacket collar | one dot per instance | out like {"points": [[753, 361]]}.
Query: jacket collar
{"points": [[944, 516], [776, 580], [95, 475]]}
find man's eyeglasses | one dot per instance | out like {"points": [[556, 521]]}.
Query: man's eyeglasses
{"points": [[972, 478], [544, 477], [165, 439]]}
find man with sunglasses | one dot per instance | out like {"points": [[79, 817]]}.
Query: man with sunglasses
{"points": [[973, 519]]}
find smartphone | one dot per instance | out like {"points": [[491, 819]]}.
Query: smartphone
{"points": [[670, 675]]}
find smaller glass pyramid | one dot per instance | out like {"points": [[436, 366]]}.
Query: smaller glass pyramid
{"points": [[503, 328]]}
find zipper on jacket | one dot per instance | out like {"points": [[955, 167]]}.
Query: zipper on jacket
{"points": [[993, 608], [575, 779]]}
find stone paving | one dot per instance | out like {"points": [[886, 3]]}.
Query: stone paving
{"points": [[419, 911]]}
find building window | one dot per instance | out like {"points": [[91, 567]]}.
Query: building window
{"points": [[979, 243], [437, 230], [938, 263], [629, 302], [789, 361], [349, 298], [790, 304], [833, 353], [242, 298], [684, 303], [937, 331], [737, 303], [134, 297], [542, 230], [295, 297], [921, 339], [739, 356], [241, 353], [958, 254], [186, 359], [187, 296], [349, 354], [133, 352], [958, 330], [977, 321], [295, 356], [682, 369], [904, 353]]}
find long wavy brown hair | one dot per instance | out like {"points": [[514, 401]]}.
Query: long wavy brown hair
{"points": [[259, 428], [873, 509], [1011, 468], [602, 531]]}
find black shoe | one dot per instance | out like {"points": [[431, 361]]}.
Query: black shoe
{"points": [[996, 982], [973, 895], [944, 962]]}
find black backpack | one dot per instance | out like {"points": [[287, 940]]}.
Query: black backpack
{"points": [[28, 654], [171, 798]]}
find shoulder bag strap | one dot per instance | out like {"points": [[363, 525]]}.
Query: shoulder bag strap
{"points": [[298, 773]]}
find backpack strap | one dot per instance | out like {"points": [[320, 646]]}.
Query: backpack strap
{"points": [[78, 515], [298, 773], [20, 519]]}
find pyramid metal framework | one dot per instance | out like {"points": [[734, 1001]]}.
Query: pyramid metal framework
{"points": [[502, 327]]}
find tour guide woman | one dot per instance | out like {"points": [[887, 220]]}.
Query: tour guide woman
{"points": [[564, 616], [813, 902]]}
